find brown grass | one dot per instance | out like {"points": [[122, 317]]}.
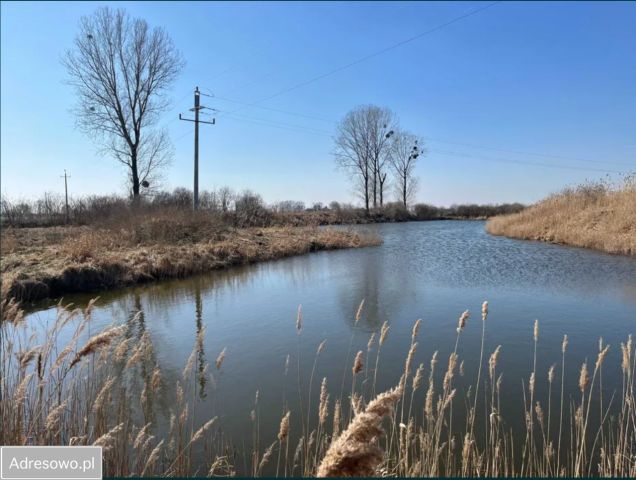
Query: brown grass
{"points": [[594, 216], [50, 262]]}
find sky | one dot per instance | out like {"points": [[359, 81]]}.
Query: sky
{"points": [[514, 102]]}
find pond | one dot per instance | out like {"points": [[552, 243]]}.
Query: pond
{"points": [[431, 271]]}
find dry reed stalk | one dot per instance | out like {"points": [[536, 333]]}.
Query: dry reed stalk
{"points": [[416, 330], [141, 436], [463, 318], [97, 342], [201, 431], [220, 358], [359, 312], [354, 452], [323, 408], [283, 430], [106, 441], [336, 419], [357, 363], [371, 342], [101, 397], [152, 459], [52, 422], [384, 331]]}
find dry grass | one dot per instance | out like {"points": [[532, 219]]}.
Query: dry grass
{"points": [[50, 262], [594, 216], [105, 391]]}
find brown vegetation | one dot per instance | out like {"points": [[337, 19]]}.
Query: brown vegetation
{"points": [[105, 389], [226, 207], [49, 262], [594, 215]]}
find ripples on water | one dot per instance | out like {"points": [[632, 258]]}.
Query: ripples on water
{"points": [[427, 270]]}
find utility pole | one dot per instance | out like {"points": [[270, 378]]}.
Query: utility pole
{"points": [[66, 177], [197, 107]]}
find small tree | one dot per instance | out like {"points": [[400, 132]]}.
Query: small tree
{"points": [[121, 70], [406, 148]]}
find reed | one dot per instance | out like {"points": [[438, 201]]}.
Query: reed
{"points": [[99, 390], [593, 215]]}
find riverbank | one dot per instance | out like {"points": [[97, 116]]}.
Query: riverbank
{"points": [[593, 216], [37, 263]]}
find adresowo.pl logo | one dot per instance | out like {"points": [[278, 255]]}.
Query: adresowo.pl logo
{"points": [[51, 463]]}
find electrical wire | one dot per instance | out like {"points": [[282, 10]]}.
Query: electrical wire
{"points": [[367, 57]]}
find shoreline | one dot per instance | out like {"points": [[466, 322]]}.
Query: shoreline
{"points": [[50, 264], [593, 216]]}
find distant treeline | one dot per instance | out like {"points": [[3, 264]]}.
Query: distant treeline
{"points": [[242, 209]]}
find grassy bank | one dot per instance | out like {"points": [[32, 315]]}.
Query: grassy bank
{"points": [[49, 262], [594, 216], [242, 210], [105, 389]]}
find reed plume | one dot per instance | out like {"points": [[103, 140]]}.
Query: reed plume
{"points": [[220, 358], [97, 342], [357, 363], [359, 312], [283, 429], [355, 452]]}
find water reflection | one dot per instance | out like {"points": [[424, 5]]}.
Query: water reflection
{"points": [[431, 270]]}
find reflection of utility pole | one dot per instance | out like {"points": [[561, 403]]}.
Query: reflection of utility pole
{"points": [[66, 193], [198, 307], [197, 107]]}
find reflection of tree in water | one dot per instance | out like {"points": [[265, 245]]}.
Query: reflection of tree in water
{"points": [[201, 363], [136, 333], [383, 289]]}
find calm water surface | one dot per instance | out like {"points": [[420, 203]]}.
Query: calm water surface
{"points": [[427, 270]]}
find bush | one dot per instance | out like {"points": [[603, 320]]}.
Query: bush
{"points": [[250, 211], [396, 212]]}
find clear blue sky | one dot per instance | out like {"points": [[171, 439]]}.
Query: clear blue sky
{"points": [[555, 79]]}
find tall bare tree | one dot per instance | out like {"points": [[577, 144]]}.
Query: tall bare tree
{"points": [[382, 125], [362, 148], [121, 70], [405, 149]]}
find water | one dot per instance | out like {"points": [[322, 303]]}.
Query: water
{"points": [[427, 270]]}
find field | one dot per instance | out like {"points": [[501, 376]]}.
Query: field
{"points": [[593, 216], [104, 389], [48, 262]]}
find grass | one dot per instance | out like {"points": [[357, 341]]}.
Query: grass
{"points": [[49, 262], [595, 215], [104, 389]]}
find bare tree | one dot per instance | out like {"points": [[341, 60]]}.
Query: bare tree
{"points": [[362, 148], [121, 70], [382, 124], [404, 152], [226, 195]]}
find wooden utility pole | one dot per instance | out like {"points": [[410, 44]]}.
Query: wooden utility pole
{"points": [[66, 177], [197, 107]]}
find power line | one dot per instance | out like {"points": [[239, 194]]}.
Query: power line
{"points": [[274, 123], [533, 154], [521, 162], [303, 129], [368, 57], [286, 112], [427, 138]]}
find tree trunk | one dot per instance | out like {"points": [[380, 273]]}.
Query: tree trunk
{"points": [[404, 192], [135, 176], [375, 183], [366, 193], [382, 181]]}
